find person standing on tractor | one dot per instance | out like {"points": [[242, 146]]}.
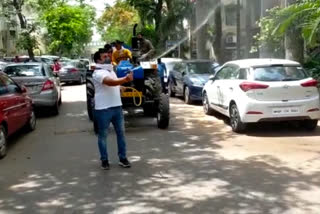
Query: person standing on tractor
{"points": [[120, 54], [108, 107], [146, 49]]}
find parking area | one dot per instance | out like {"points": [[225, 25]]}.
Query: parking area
{"points": [[197, 165]]}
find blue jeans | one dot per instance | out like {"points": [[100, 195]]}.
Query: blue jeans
{"points": [[103, 118]]}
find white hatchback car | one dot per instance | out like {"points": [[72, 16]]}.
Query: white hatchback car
{"points": [[257, 90]]}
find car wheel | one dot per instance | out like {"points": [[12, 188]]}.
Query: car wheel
{"points": [[206, 107], [309, 125], [60, 101], [235, 120], [55, 108], [31, 125], [171, 91], [3, 142], [187, 98]]}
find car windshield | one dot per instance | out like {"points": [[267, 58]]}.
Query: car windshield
{"points": [[24, 71], [200, 68], [279, 73]]}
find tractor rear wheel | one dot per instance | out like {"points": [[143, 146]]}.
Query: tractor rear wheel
{"points": [[163, 114]]}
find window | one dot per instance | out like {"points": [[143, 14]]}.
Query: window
{"points": [[180, 67], [3, 88], [12, 87], [231, 16], [279, 73], [24, 71], [199, 68], [224, 73], [243, 74], [228, 72]]}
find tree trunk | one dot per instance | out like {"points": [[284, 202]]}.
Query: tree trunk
{"points": [[202, 10], [23, 24], [158, 20], [294, 43], [217, 44]]}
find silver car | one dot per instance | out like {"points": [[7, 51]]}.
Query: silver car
{"points": [[73, 71], [42, 85]]}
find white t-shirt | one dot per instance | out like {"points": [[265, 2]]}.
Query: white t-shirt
{"points": [[105, 96]]}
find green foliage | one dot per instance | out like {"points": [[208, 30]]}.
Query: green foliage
{"points": [[117, 22], [266, 38], [69, 28], [26, 41]]}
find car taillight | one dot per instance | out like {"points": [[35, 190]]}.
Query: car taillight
{"points": [[48, 85], [310, 83], [247, 86], [72, 70]]}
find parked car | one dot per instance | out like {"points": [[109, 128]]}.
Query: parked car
{"points": [[73, 71], [16, 110], [2, 65], [257, 90], [187, 78], [42, 84], [85, 62]]}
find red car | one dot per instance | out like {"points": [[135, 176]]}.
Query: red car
{"points": [[16, 110]]}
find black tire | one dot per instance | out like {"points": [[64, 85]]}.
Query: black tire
{"points": [[90, 106], [186, 95], [309, 125], [163, 115], [206, 107], [55, 109], [235, 120], [171, 92], [32, 122], [3, 142], [60, 100]]}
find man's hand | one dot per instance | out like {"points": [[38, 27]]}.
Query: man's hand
{"points": [[129, 77]]}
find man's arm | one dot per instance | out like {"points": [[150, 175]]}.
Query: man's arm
{"points": [[119, 81]]}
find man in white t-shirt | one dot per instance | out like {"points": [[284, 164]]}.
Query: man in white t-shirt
{"points": [[108, 107]]}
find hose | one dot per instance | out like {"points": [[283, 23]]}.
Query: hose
{"points": [[134, 98]]}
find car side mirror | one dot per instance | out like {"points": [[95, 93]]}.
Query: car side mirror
{"points": [[183, 73], [212, 78]]}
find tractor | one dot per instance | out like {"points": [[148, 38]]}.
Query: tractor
{"points": [[147, 91]]}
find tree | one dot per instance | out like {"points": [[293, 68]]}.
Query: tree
{"points": [[27, 39], [117, 22], [69, 28]]}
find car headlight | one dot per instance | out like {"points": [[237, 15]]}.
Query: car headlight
{"points": [[196, 82]]}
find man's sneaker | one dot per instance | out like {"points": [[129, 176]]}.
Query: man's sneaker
{"points": [[105, 165], [124, 163]]}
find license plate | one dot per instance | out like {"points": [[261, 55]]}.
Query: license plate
{"points": [[281, 111], [131, 94], [32, 88]]}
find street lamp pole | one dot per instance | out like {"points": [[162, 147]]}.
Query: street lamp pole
{"points": [[238, 29]]}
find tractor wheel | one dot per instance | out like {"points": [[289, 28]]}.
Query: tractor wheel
{"points": [[163, 115]]}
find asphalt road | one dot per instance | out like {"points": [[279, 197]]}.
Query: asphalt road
{"points": [[198, 165]]}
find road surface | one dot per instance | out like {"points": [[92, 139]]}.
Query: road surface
{"points": [[198, 165]]}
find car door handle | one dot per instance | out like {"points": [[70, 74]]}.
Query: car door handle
{"points": [[231, 88], [218, 86]]}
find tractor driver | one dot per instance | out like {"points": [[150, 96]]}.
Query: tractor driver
{"points": [[120, 53], [146, 48]]}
